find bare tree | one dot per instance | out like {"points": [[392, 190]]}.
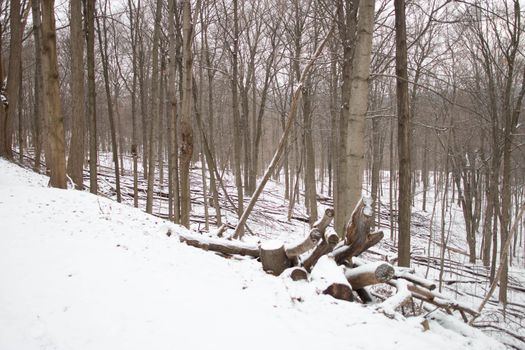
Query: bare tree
{"points": [[91, 103], [57, 161], [75, 161], [403, 114]]}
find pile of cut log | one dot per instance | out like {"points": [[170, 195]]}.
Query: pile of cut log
{"points": [[333, 266]]}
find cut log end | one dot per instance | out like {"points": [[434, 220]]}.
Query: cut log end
{"points": [[339, 291], [273, 257], [331, 238], [295, 274], [384, 273], [369, 274]]}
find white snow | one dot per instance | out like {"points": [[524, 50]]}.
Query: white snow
{"points": [[83, 272]]}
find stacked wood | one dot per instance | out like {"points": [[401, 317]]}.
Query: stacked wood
{"points": [[330, 279]]}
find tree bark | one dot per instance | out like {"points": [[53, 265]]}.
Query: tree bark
{"points": [[369, 274], [91, 105], [52, 97], [403, 113], [103, 45], [186, 148], [75, 161], [14, 80], [40, 125], [351, 181]]}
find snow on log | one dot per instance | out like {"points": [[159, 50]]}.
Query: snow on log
{"points": [[401, 297], [324, 247], [358, 246], [369, 274], [440, 300], [325, 220], [273, 257], [296, 273], [317, 232], [360, 220], [302, 247], [415, 279], [219, 245], [330, 279]]}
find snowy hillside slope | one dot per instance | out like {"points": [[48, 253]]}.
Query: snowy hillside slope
{"points": [[83, 272]]}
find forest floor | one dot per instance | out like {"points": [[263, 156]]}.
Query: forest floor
{"points": [[85, 272]]}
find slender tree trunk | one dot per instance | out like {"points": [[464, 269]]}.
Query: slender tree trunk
{"points": [[310, 186], [172, 120], [91, 105], [347, 23], [38, 90], [14, 79], [186, 131], [237, 142], [103, 45], [134, 139], [154, 104], [75, 161], [52, 97], [403, 112], [211, 130]]}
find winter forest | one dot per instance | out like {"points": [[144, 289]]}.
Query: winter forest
{"points": [[369, 153]]}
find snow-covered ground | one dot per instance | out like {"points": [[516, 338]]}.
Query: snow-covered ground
{"points": [[83, 272]]}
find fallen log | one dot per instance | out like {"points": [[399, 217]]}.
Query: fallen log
{"points": [[325, 220], [219, 245], [273, 257], [345, 252], [415, 279], [311, 240], [440, 300], [402, 297], [308, 243], [330, 279], [369, 274], [324, 247]]}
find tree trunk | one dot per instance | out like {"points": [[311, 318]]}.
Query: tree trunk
{"points": [[40, 126], [103, 45], [237, 142], [75, 161], [404, 129], [351, 181], [310, 186], [14, 79], [154, 105], [52, 97], [347, 23], [186, 130], [91, 105], [172, 120]]}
